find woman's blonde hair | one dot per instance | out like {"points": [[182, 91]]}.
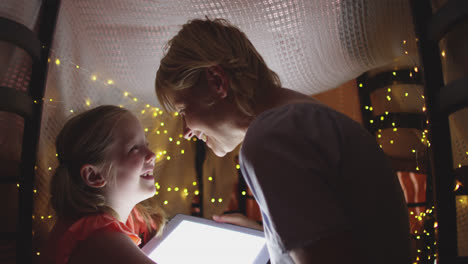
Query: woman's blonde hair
{"points": [[86, 139], [201, 44]]}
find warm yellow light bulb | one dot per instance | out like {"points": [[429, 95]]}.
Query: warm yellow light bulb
{"points": [[194, 183], [197, 192], [210, 178], [110, 82], [237, 166], [93, 77], [182, 151], [457, 186], [57, 61]]}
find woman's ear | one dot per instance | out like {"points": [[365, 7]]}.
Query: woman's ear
{"points": [[92, 176], [217, 81]]}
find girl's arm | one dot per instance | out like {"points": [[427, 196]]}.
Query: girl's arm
{"points": [[108, 247]]}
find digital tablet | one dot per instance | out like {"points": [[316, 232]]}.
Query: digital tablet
{"points": [[189, 239]]}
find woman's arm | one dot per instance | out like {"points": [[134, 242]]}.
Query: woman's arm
{"points": [[238, 219], [108, 247]]}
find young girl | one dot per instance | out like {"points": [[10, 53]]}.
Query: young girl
{"points": [[105, 169]]}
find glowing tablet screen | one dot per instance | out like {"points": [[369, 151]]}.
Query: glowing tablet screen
{"points": [[197, 240]]}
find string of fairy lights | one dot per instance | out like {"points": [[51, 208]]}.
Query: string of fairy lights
{"points": [[164, 155], [427, 249]]}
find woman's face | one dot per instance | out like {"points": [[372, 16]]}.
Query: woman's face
{"points": [[207, 116]]}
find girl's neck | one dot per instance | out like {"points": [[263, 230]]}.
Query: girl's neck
{"points": [[123, 212]]}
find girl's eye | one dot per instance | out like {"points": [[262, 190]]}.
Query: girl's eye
{"points": [[133, 148]]}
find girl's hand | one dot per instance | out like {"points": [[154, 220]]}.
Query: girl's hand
{"points": [[238, 219]]}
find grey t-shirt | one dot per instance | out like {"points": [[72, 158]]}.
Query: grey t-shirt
{"points": [[315, 172]]}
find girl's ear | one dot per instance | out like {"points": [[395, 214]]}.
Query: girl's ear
{"points": [[92, 176], [217, 81]]}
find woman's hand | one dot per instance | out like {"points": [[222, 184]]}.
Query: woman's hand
{"points": [[238, 219]]}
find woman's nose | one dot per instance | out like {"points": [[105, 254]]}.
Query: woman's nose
{"points": [[188, 133]]}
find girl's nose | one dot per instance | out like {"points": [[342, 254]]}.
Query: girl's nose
{"points": [[151, 157]]}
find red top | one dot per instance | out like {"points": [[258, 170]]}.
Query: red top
{"points": [[83, 228]]}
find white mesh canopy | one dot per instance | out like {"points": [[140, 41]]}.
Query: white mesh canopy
{"points": [[313, 45]]}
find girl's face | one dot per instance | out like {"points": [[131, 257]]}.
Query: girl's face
{"points": [[132, 163]]}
